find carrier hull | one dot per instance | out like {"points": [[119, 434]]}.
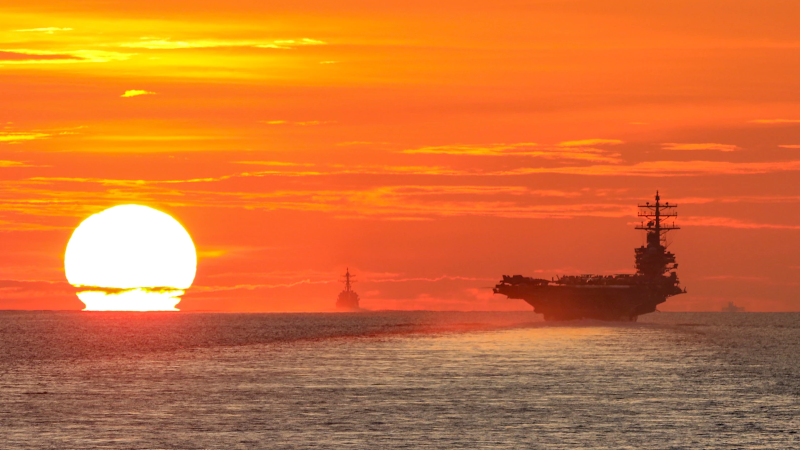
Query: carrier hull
{"points": [[609, 303]]}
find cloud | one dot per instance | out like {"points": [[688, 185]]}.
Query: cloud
{"points": [[48, 30], [78, 198], [15, 137], [304, 41], [203, 254], [726, 222], [467, 189], [475, 150], [136, 92], [168, 44], [305, 123], [519, 149], [6, 164], [75, 197], [252, 287], [706, 146], [736, 277], [116, 291], [775, 121], [157, 138], [339, 169], [28, 56], [666, 169], [590, 142], [350, 143], [12, 56], [425, 202], [272, 163], [34, 288], [17, 225], [427, 279], [489, 193], [789, 146], [740, 199], [329, 62], [18, 136], [314, 122]]}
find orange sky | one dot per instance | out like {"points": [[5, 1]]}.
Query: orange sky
{"points": [[430, 146]]}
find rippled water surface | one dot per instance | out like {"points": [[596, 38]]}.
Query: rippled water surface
{"points": [[397, 380]]}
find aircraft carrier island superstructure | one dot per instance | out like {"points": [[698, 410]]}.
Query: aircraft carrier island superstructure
{"points": [[622, 297]]}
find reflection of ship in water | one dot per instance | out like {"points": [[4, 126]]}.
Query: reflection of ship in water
{"points": [[732, 308], [348, 298], [611, 297]]}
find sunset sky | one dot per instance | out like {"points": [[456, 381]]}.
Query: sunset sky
{"points": [[431, 147]]}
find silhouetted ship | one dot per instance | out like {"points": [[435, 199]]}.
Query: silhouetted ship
{"points": [[348, 298], [732, 308], [622, 297]]}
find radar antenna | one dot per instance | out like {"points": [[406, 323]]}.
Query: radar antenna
{"points": [[654, 259], [347, 281], [655, 216]]}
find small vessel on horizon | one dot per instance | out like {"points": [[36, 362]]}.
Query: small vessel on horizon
{"points": [[732, 308], [348, 298]]}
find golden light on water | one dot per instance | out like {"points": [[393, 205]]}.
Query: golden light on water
{"points": [[130, 258]]}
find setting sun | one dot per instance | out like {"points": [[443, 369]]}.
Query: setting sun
{"points": [[130, 258]]}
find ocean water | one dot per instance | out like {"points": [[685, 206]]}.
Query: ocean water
{"points": [[397, 380]]}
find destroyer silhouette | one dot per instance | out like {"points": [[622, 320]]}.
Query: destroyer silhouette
{"points": [[348, 298], [732, 308], [622, 297]]}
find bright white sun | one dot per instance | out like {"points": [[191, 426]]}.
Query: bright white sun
{"points": [[130, 258]]}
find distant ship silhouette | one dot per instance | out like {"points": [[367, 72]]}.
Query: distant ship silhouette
{"points": [[348, 298], [732, 308]]}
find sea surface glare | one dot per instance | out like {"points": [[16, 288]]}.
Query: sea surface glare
{"points": [[397, 380]]}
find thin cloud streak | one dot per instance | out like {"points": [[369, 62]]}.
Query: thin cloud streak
{"points": [[252, 287], [667, 169], [273, 163], [427, 279], [136, 93], [590, 142], [301, 123], [520, 149], [169, 44], [47, 30], [117, 291], [11, 56], [17, 136], [706, 146], [8, 164], [30, 56], [727, 222], [775, 121]]}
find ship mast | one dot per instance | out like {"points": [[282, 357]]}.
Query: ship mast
{"points": [[655, 214], [347, 280], [653, 260]]}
